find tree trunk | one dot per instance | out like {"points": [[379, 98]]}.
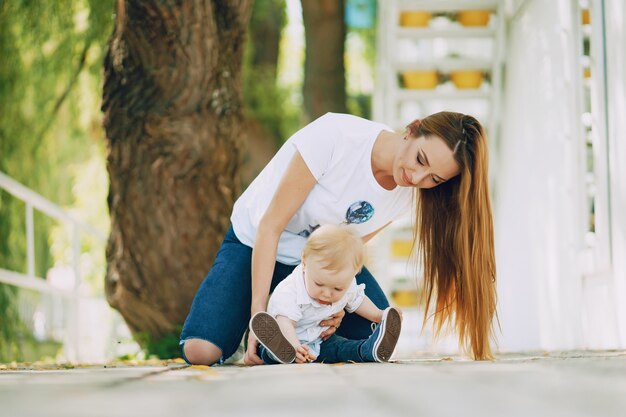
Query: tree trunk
{"points": [[173, 111], [324, 71], [266, 24]]}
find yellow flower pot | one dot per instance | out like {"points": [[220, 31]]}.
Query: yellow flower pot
{"points": [[405, 298], [586, 18], [467, 79], [473, 17], [415, 19], [587, 73], [420, 80], [401, 248]]}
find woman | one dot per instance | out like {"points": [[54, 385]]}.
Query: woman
{"points": [[341, 169]]}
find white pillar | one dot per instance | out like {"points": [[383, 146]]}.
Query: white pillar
{"points": [[538, 186], [615, 24]]}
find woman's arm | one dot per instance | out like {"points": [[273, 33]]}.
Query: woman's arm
{"points": [[293, 189]]}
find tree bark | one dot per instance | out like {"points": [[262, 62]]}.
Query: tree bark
{"points": [[173, 112], [324, 71]]}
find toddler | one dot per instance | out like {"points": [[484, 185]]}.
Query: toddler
{"points": [[322, 285]]}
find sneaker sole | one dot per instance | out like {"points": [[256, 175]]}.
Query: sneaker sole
{"points": [[267, 331], [392, 325]]}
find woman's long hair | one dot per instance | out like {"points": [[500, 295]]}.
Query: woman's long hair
{"points": [[454, 235]]}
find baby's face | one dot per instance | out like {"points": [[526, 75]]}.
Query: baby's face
{"points": [[324, 285]]}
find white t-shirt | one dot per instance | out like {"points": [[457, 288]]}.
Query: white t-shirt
{"points": [[337, 149], [290, 299]]}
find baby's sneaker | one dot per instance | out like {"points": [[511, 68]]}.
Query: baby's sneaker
{"points": [[266, 330], [381, 344]]}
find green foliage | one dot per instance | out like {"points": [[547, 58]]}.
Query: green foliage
{"points": [[8, 323], [360, 105], [360, 63], [50, 70], [271, 105], [265, 99], [16, 340], [165, 347]]}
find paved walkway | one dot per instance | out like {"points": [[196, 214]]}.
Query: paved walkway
{"points": [[560, 384]]}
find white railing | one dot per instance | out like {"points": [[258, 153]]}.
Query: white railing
{"points": [[29, 280]]}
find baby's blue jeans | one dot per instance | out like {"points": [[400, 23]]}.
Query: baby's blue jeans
{"points": [[333, 350]]}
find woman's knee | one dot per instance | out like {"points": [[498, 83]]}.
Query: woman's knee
{"points": [[201, 352]]}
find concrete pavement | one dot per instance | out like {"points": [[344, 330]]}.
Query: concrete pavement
{"points": [[557, 384]]}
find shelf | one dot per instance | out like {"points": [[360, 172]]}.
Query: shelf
{"points": [[460, 32], [441, 47], [446, 5], [423, 95], [446, 65]]}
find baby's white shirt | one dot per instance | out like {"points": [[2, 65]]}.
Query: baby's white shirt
{"points": [[291, 299]]}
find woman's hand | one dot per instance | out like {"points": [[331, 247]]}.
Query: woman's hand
{"points": [[251, 358], [334, 321]]}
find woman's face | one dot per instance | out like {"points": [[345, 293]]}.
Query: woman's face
{"points": [[424, 163]]}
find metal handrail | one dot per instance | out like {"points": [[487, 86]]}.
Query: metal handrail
{"points": [[44, 205], [29, 280]]}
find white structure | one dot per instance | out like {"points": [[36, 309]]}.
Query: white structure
{"points": [[430, 42], [59, 306], [562, 285], [559, 187]]}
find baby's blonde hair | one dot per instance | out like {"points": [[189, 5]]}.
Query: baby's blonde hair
{"points": [[335, 247]]}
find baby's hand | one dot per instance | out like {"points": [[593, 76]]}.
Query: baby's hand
{"points": [[303, 355]]}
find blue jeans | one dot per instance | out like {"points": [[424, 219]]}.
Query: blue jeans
{"points": [[335, 349], [220, 311], [339, 349]]}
